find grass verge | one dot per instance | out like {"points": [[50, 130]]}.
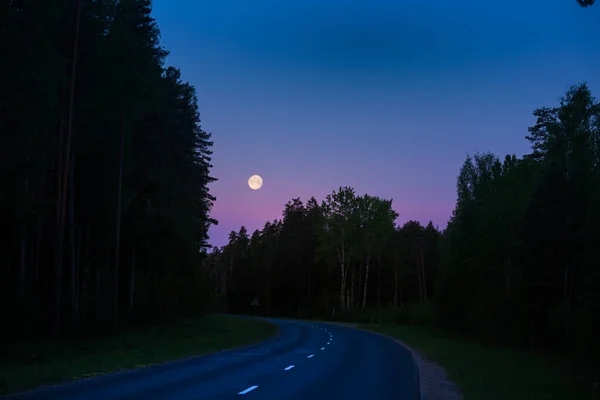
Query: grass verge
{"points": [[484, 372], [29, 365]]}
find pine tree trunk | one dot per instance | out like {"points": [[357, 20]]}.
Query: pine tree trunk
{"points": [[341, 258], [80, 276], [350, 291], [63, 174], [72, 249], [132, 282], [366, 283], [118, 222], [39, 234], [58, 256]]}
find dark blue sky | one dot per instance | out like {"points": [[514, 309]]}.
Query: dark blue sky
{"points": [[385, 96]]}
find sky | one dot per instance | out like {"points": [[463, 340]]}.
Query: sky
{"points": [[385, 96]]}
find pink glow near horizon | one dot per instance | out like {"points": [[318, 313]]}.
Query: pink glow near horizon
{"points": [[254, 211]]}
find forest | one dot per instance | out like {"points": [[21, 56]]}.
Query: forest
{"points": [[516, 265], [105, 169], [105, 204]]}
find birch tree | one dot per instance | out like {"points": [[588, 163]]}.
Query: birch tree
{"points": [[340, 210]]}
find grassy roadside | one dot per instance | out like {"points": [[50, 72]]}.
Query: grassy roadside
{"points": [[26, 366], [483, 372]]}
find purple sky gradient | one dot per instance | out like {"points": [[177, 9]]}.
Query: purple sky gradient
{"points": [[385, 96]]}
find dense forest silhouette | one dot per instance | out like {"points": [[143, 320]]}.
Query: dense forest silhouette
{"points": [[105, 206], [105, 170]]}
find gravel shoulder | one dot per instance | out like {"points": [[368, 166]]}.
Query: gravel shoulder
{"points": [[433, 379]]}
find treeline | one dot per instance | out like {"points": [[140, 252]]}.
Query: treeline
{"points": [[103, 190], [328, 258], [517, 263]]}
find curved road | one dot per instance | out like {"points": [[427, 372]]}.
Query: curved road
{"points": [[307, 360]]}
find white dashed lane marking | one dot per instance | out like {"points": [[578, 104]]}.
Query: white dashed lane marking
{"points": [[251, 388]]}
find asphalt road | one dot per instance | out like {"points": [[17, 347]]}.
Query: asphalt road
{"points": [[307, 361]]}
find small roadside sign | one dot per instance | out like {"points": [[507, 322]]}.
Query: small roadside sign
{"points": [[255, 305]]}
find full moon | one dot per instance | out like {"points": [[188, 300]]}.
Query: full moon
{"points": [[255, 182]]}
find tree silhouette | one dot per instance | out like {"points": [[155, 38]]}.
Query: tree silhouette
{"points": [[586, 3]]}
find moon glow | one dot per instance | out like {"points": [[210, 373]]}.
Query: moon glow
{"points": [[255, 182]]}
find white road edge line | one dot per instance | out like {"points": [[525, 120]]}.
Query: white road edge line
{"points": [[288, 368], [322, 348], [311, 356], [251, 388]]}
